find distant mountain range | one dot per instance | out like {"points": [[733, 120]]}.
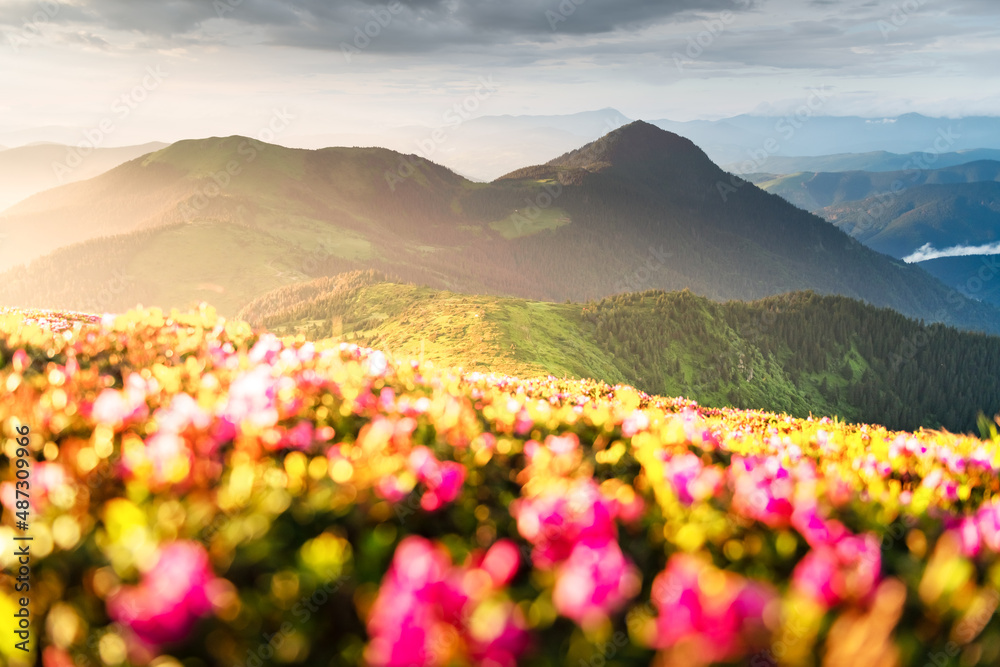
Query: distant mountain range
{"points": [[912, 215], [944, 216], [484, 148], [778, 165], [815, 191], [27, 170], [487, 147], [759, 143], [798, 353], [226, 220]]}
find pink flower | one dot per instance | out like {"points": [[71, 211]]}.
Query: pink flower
{"points": [[845, 572], [816, 530], [501, 562], [170, 455], [563, 444], [554, 523], [635, 422], [443, 479], [171, 597], [116, 408], [499, 644], [265, 350], [389, 488], [20, 361], [718, 613], [182, 413], [403, 617], [251, 398], [424, 599], [815, 574], [691, 479], [596, 580], [299, 436], [988, 524], [968, 534], [765, 490]]}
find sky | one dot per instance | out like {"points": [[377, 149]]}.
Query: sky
{"points": [[131, 71]]}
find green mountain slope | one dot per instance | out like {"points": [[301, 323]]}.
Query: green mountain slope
{"points": [[302, 196], [976, 276], [798, 353], [944, 216], [814, 191], [640, 208]]}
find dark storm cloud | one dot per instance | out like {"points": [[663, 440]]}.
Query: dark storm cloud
{"points": [[833, 34], [418, 25]]}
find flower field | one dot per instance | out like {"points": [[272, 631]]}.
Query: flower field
{"points": [[203, 494]]}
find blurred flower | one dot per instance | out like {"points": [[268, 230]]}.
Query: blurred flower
{"points": [[171, 597], [595, 581], [848, 570], [718, 613]]}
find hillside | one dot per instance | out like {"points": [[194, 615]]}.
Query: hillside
{"points": [[944, 216], [27, 170], [815, 191], [640, 208], [976, 276], [299, 195], [799, 353]]}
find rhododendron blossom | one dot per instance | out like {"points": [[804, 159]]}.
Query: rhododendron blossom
{"points": [[429, 611], [719, 613], [171, 596], [595, 581], [846, 571]]}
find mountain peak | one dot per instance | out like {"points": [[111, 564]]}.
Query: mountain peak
{"points": [[638, 143]]}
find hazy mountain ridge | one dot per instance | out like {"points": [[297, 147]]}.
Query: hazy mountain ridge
{"points": [[814, 191], [639, 208], [28, 170], [944, 216]]}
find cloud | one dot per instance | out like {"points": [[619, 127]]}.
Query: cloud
{"points": [[927, 252], [420, 25]]}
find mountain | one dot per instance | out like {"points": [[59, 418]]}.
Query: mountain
{"points": [[30, 169], [876, 161], [799, 353], [975, 276], [639, 208], [297, 195], [814, 191], [943, 216]]}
